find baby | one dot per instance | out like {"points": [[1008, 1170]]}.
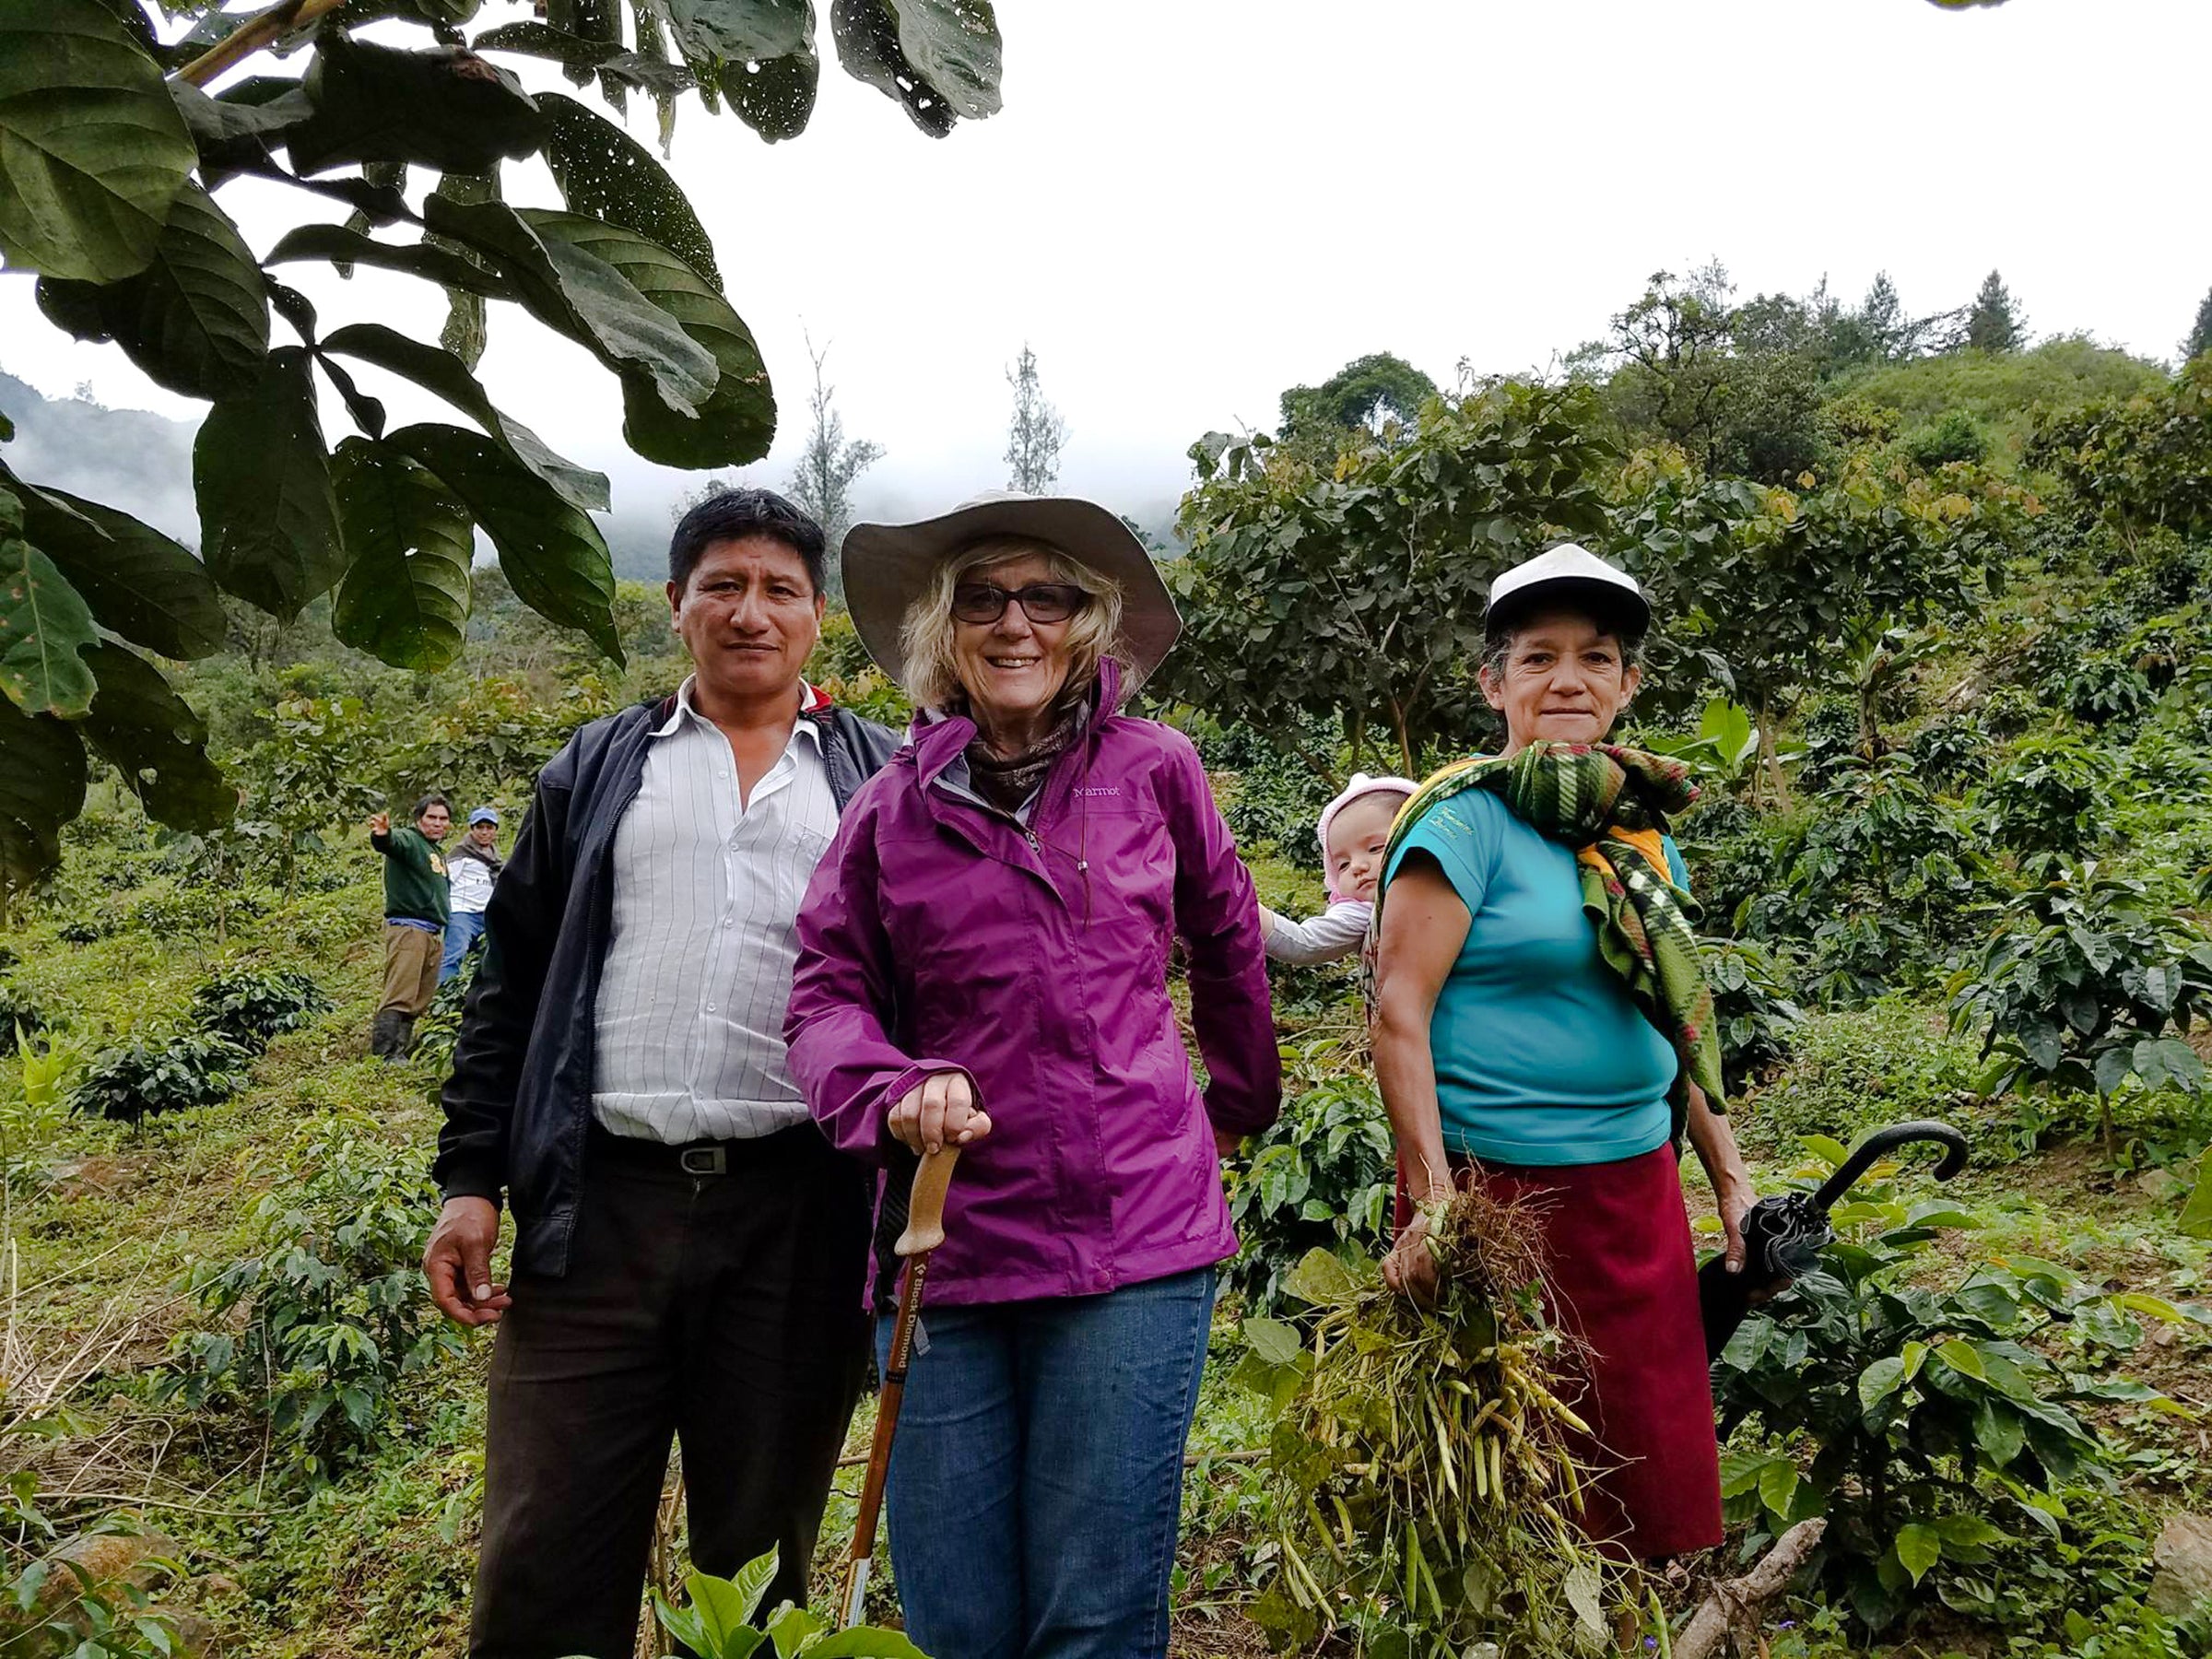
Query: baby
{"points": [[1354, 830]]}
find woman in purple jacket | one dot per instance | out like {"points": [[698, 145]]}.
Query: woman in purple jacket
{"points": [[983, 961]]}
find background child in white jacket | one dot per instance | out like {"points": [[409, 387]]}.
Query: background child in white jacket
{"points": [[1354, 829]]}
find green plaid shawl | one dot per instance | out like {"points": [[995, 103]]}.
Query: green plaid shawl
{"points": [[1611, 805]]}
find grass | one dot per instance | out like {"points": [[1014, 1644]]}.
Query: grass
{"points": [[110, 1220]]}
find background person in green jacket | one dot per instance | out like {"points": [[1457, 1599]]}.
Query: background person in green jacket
{"points": [[415, 911]]}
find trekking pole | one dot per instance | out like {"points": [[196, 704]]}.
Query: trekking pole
{"points": [[924, 1231]]}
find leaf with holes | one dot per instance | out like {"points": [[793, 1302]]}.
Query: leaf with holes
{"points": [[41, 788], [551, 553], [196, 319], [441, 106], [151, 735], [605, 173], [438, 370], [46, 626], [261, 477], [737, 424], [938, 58], [758, 53], [405, 596], [575, 290], [139, 583], [93, 150]]}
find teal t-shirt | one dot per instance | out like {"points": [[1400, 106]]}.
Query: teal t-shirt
{"points": [[1542, 1057]]}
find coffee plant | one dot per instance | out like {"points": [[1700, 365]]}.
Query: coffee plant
{"points": [[163, 1072], [315, 1330], [2085, 985], [250, 1005], [1924, 1424], [1322, 1177]]}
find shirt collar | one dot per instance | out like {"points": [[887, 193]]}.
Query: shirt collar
{"points": [[810, 700]]}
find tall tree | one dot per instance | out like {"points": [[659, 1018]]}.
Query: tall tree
{"points": [[822, 483], [1036, 433], [1995, 323], [1378, 386], [2200, 336]]}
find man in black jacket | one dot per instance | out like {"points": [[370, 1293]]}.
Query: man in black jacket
{"points": [[689, 1251]]}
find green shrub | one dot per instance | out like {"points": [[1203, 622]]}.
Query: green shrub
{"points": [[162, 1073], [2048, 797], [1751, 1008], [1274, 799], [2081, 985], [19, 1011], [250, 1005], [1954, 436], [314, 1330], [1855, 1070], [51, 1608], [1322, 1176], [1921, 1423]]}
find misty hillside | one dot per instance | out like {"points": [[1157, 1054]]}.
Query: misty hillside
{"points": [[128, 458]]}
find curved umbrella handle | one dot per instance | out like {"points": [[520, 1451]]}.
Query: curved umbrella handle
{"points": [[1864, 1155]]}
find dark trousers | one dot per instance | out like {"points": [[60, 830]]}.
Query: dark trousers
{"points": [[722, 1310]]}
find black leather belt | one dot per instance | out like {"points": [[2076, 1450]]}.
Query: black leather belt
{"points": [[699, 1158]]}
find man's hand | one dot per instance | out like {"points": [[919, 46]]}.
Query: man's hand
{"points": [[939, 1109], [1227, 1141], [380, 823], [457, 1262], [1733, 1197]]}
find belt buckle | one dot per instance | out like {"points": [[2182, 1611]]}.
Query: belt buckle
{"points": [[703, 1161]]}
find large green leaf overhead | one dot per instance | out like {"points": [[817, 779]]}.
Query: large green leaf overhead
{"points": [[758, 53], [574, 289], [551, 553], [605, 174], [408, 543], [87, 175], [196, 319], [139, 583], [151, 735], [939, 58], [342, 245], [437, 370], [737, 424], [45, 626], [261, 477], [443, 108], [609, 59], [41, 788]]}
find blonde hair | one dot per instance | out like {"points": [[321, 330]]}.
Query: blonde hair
{"points": [[926, 637]]}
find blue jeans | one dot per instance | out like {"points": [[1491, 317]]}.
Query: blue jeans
{"points": [[1037, 1480], [463, 928]]}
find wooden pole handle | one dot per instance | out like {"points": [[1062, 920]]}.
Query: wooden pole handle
{"points": [[925, 1209]]}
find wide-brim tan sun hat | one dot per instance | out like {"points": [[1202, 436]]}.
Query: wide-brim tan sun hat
{"points": [[887, 567]]}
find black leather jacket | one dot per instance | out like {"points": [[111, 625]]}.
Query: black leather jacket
{"points": [[519, 1099]]}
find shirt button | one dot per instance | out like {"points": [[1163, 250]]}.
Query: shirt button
{"points": [[727, 922], [709, 1007]]}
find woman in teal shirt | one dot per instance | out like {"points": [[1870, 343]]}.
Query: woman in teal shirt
{"points": [[1511, 1052]]}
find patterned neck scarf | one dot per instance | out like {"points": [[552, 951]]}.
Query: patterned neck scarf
{"points": [[1007, 784], [1611, 805]]}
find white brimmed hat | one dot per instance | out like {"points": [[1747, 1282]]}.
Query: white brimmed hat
{"points": [[1571, 576], [887, 567]]}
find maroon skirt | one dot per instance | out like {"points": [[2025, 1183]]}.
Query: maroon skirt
{"points": [[1623, 1278]]}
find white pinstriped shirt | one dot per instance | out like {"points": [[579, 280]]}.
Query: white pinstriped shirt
{"points": [[689, 1019]]}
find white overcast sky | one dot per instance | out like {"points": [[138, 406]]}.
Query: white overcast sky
{"points": [[1188, 205]]}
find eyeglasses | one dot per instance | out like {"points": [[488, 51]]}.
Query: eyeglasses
{"points": [[1043, 602]]}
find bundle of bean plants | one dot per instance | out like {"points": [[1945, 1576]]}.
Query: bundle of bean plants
{"points": [[1423, 1492]]}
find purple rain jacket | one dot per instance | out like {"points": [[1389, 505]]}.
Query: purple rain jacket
{"points": [[940, 935]]}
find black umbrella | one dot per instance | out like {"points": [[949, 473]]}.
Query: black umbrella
{"points": [[1784, 1235]]}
